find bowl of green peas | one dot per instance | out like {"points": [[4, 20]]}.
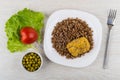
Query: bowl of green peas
{"points": [[32, 61]]}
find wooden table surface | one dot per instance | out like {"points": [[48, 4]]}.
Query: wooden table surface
{"points": [[10, 66]]}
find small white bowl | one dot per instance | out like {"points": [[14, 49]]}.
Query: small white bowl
{"points": [[32, 50]]}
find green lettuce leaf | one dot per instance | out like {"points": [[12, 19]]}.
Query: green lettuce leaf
{"points": [[25, 17]]}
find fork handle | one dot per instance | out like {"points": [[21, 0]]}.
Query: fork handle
{"points": [[105, 62]]}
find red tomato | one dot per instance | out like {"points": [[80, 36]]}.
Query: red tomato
{"points": [[28, 35]]}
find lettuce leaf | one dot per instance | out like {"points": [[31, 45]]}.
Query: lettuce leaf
{"points": [[25, 17]]}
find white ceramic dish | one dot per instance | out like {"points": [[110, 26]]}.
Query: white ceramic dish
{"points": [[83, 61]]}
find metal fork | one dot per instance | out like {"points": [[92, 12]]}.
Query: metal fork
{"points": [[111, 18]]}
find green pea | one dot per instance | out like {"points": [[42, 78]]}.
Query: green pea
{"points": [[23, 63], [26, 59], [31, 61]]}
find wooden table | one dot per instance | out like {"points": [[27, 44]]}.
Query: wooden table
{"points": [[10, 64]]}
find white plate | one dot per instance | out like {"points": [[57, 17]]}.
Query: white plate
{"points": [[83, 61]]}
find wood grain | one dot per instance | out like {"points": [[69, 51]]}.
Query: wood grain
{"points": [[10, 64]]}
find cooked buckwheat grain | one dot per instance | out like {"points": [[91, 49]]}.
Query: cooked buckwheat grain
{"points": [[68, 30]]}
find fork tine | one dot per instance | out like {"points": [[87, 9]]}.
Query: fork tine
{"points": [[114, 14], [109, 13], [111, 16], [115, 11]]}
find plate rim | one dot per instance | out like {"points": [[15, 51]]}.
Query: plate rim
{"points": [[100, 41]]}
